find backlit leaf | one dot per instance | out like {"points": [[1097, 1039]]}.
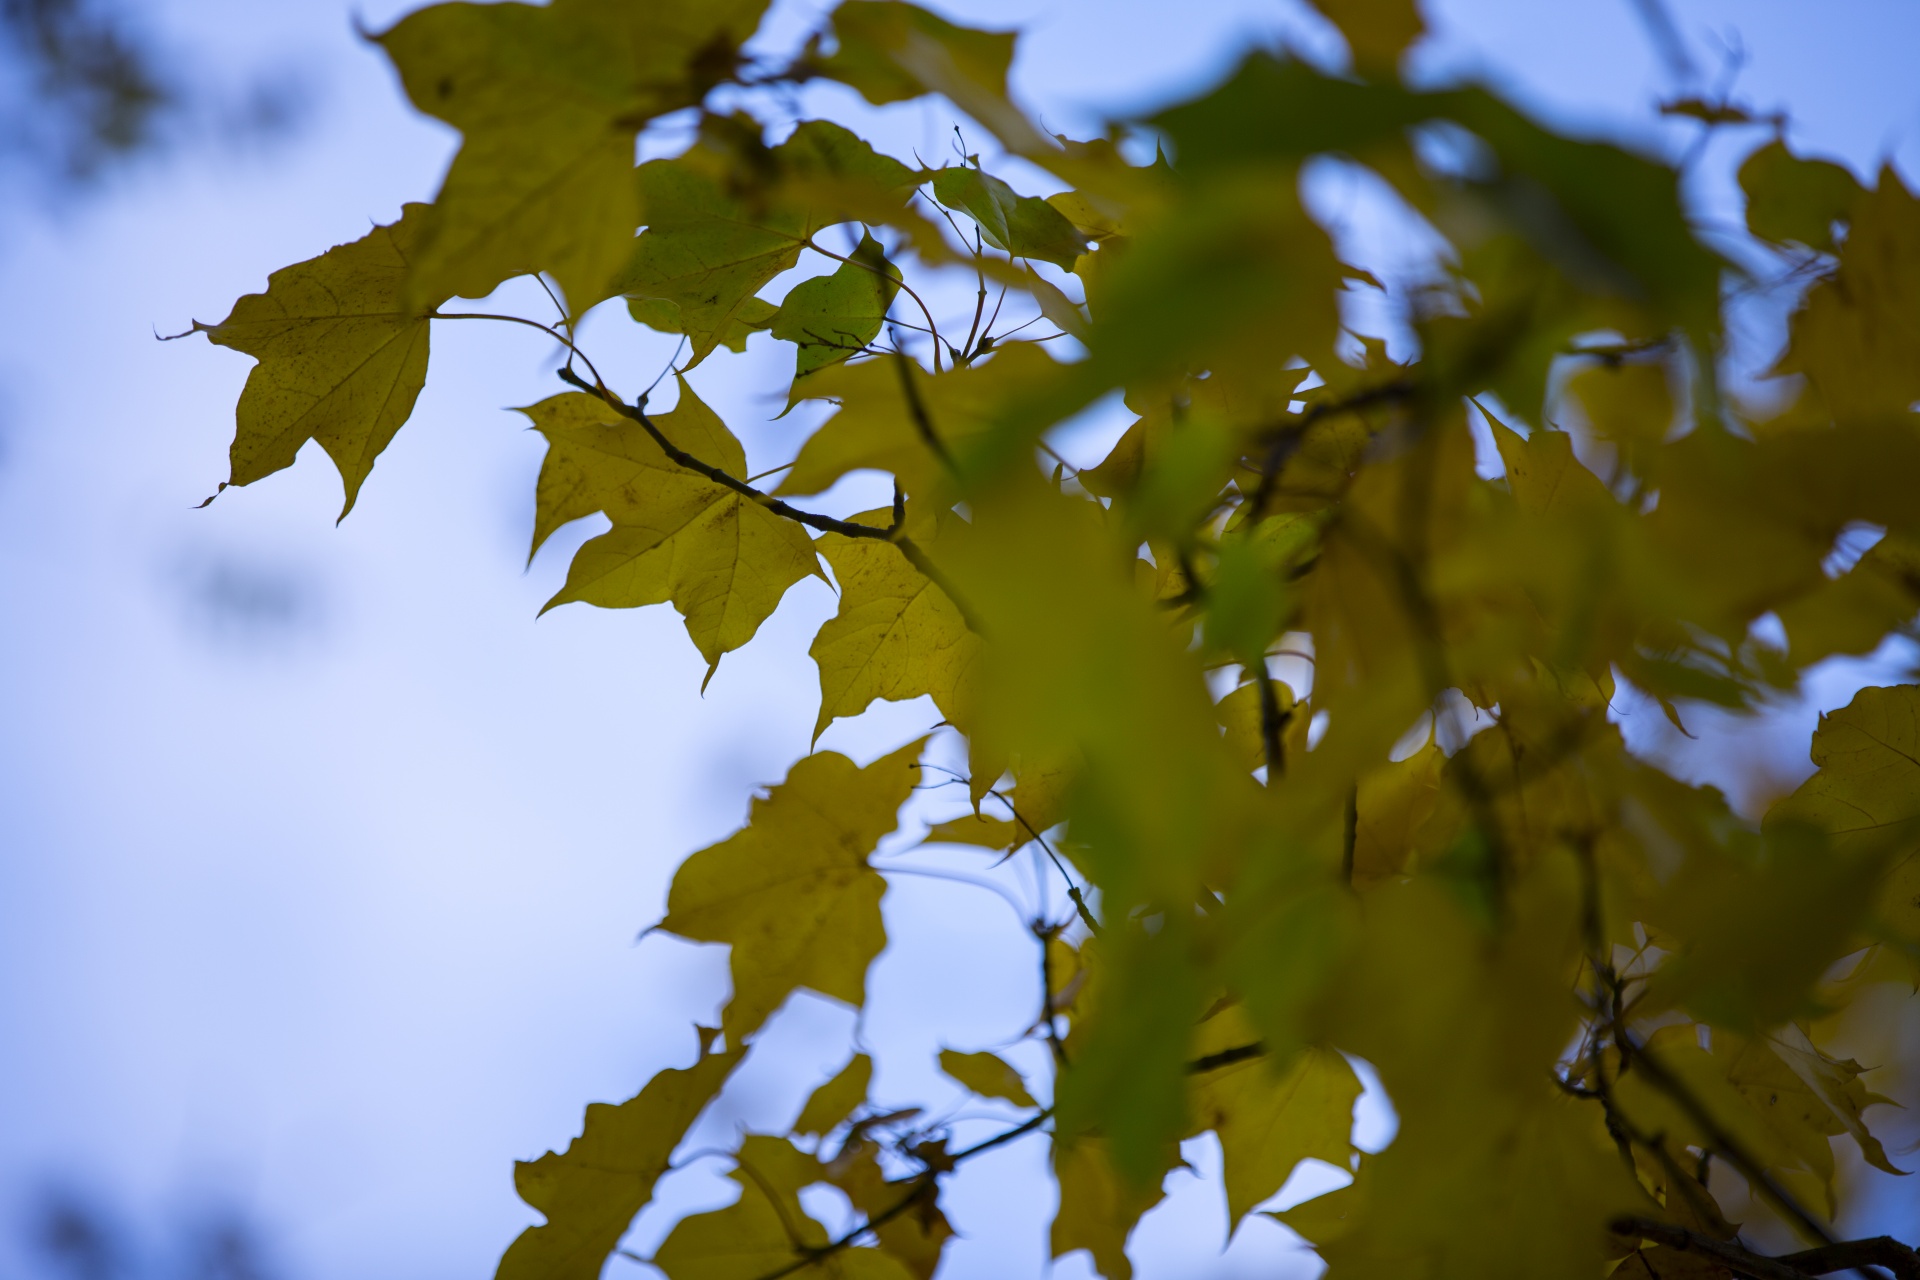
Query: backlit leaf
{"points": [[897, 635], [590, 1192], [342, 356], [548, 100], [792, 890], [834, 317], [723, 560], [1023, 226]]}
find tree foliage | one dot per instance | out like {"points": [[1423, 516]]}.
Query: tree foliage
{"points": [[1602, 1003]]}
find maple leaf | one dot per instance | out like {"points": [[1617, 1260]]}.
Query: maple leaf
{"points": [[591, 1191], [549, 101], [723, 560], [897, 634], [342, 356], [792, 891]]}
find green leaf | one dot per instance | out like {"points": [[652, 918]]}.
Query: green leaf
{"points": [[342, 356], [835, 1100], [591, 1192], [831, 318], [897, 635], [1377, 31], [792, 891], [708, 248], [549, 101], [988, 1075], [1797, 201], [723, 560], [1022, 226], [890, 52], [754, 316]]}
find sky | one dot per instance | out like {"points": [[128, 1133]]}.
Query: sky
{"points": [[322, 861]]}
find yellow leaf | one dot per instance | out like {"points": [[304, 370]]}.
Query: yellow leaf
{"points": [[988, 1075], [792, 891], [1867, 793], [1098, 1208], [916, 1237], [342, 357], [1270, 1115], [766, 1230], [878, 426], [835, 1100], [590, 1192], [754, 316], [1627, 402], [897, 635], [1853, 613], [1392, 804], [1857, 335], [723, 560], [1326, 1218], [548, 101], [977, 829]]}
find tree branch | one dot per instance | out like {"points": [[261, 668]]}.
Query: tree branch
{"points": [[1880, 1251]]}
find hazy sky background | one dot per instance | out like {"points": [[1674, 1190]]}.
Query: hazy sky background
{"points": [[321, 861]]}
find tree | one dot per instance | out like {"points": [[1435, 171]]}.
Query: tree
{"points": [[1604, 1006]]}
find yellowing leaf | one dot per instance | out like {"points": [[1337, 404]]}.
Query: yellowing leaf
{"points": [[897, 635], [549, 100], [1022, 226], [877, 426], [1857, 336], [723, 560], [835, 1100], [1392, 804], [1098, 1208], [590, 1192], [1270, 1117], [988, 1075], [765, 1230], [916, 1237], [1378, 31], [792, 890], [834, 317], [890, 51], [342, 356]]}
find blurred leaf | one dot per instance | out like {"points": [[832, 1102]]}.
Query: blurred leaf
{"points": [[988, 1075], [1792, 200], [835, 1100]]}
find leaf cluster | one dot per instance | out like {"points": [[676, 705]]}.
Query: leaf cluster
{"points": [[1300, 694]]}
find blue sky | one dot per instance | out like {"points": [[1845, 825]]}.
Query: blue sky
{"points": [[322, 861]]}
